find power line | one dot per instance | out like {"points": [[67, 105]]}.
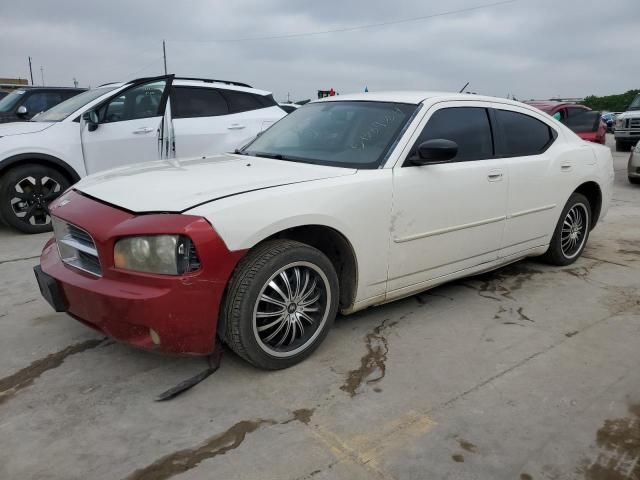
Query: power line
{"points": [[357, 27]]}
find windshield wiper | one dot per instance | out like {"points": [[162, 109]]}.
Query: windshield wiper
{"points": [[276, 156]]}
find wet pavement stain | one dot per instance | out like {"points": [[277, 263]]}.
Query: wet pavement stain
{"points": [[501, 284], [571, 334], [619, 444], [302, 415], [523, 316], [10, 385], [525, 476], [458, 457], [189, 458], [373, 362], [468, 446]]}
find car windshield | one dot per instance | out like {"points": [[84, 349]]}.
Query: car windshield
{"points": [[7, 103], [635, 105], [66, 108], [347, 134]]}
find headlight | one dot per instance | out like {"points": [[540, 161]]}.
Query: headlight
{"points": [[164, 254], [637, 149], [618, 122]]}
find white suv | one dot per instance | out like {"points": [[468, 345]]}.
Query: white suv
{"points": [[119, 124]]}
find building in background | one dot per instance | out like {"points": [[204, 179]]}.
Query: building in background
{"points": [[9, 84]]}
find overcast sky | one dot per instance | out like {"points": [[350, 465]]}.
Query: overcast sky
{"points": [[530, 48]]}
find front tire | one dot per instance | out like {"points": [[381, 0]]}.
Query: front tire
{"points": [[571, 233], [280, 305], [25, 194], [634, 180]]}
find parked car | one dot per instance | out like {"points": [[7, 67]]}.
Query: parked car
{"points": [[633, 167], [627, 131], [588, 125], [609, 119], [22, 104], [119, 124], [565, 113], [346, 203]]}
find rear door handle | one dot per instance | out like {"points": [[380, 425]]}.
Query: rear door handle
{"points": [[235, 126], [565, 167], [143, 131], [494, 176]]}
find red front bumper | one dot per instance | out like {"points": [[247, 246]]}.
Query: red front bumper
{"points": [[181, 310]]}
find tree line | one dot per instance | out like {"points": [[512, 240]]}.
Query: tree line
{"points": [[611, 103]]}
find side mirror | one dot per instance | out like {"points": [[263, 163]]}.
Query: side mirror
{"points": [[91, 119], [438, 150], [22, 111]]}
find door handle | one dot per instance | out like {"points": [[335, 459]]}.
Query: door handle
{"points": [[565, 167], [142, 131], [235, 126], [494, 176]]}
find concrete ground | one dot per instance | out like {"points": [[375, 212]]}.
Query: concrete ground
{"points": [[529, 372]]}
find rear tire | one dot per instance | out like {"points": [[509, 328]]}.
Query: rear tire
{"points": [[25, 194], [634, 180], [571, 233], [281, 302]]}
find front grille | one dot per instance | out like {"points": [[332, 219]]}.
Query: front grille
{"points": [[634, 122], [76, 247]]}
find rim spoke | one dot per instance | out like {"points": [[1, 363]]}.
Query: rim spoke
{"points": [[270, 314], [286, 334], [276, 331], [310, 302], [310, 291], [284, 277], [293, 331], [275, 287], [272, 324], [296, 273], [304, 286], [266, 298], [306, 317], [300, 326]]}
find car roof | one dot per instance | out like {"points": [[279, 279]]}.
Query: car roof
{"points": [[203, 83], [549, 105], [416, 97], [39, 87]]}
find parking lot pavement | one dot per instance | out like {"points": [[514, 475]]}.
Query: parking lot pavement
{"points": [[528, 372]]}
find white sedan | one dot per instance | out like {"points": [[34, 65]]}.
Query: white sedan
{"points": [[346, 203]]}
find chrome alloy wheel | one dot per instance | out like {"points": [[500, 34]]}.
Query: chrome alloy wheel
{"points": [[291, 309], [31, 196], [574, 230]]}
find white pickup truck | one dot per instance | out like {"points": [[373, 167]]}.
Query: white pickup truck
{"points": [[627, 130]]}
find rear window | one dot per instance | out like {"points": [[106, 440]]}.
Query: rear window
{"points": [[585, 122], [522, 135], [190, 102], [244, 101]]}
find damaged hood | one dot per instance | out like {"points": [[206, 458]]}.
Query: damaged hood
{"points": [[178, 185]]}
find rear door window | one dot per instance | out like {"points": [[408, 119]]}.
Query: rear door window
{"points": [[191, 102], [469, 127], [242, 101], [522, 135]]}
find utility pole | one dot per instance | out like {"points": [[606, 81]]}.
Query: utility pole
{"points": [[42, 74], [30, 71], [75, 82], [164, 56]]}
